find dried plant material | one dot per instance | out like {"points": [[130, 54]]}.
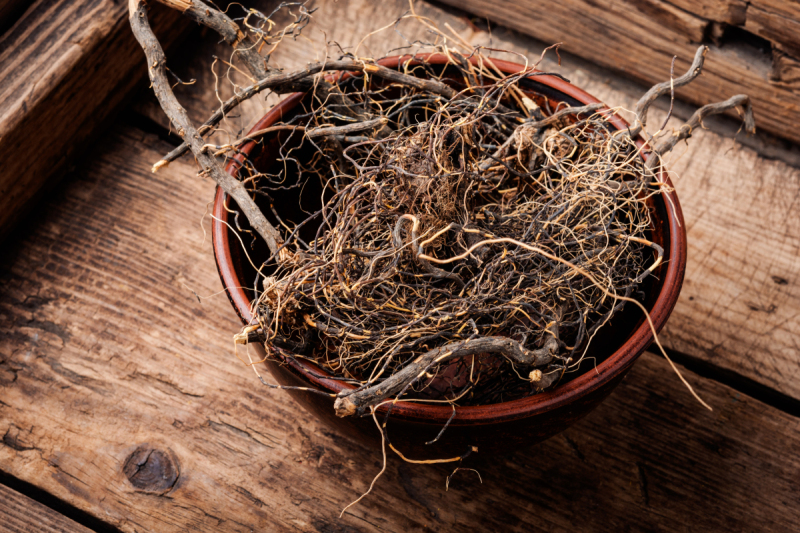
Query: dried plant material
{"points": [[452, 235]]}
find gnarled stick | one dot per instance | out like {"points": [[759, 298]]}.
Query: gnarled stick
{"points": [[668, 142], [241, 42], [350, 402], [246, 48], [156, 62], [288, 82], [644, 103], [315, 133]]}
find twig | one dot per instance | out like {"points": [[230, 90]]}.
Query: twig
{"points": [[284, 82], [671, 93], [315, 133], [242, 43], [349, 402], [684, 132], [346, 129], [644, 103], [177, 114]]}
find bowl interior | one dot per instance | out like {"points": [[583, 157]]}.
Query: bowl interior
{"points": [[612, 351]]}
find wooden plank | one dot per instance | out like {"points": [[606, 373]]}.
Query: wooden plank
{"points": [[785, 69], [776, 20], [726, 11], [108, 359], [10, 10], [20, 514], [65, 66], [638, 39], [741, 297]]}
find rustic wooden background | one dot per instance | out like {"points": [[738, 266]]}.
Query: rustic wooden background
{"points": [[109, 361]]}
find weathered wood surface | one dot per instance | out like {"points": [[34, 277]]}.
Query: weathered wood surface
{"points": [[121, 396], [777, 21], [20, 514], [726, 11], [65, 66], [639, 37], [741, 301], [120, 393]]}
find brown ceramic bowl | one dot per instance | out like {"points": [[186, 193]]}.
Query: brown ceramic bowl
{"points": [[493, 428]]}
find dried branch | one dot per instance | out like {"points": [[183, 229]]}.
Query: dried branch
{"points": [[644, 103], [668, 142], [242, 43], [347, 128], [177, 114], [315, 133], [288, 82], [355, 401]]}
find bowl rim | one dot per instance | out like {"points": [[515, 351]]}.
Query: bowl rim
{"points": [[615, 364]]}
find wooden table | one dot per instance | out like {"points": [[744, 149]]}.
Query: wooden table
{"points": [[123, 408]]}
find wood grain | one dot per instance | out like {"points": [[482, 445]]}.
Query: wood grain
{"points": [[65, 66], [10, 11], [638, 39], [20, 514], [741, 300], [121, 396], [777, 21], [727, 11]]}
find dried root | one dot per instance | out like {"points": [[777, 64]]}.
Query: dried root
{"points": [[471, 236]]}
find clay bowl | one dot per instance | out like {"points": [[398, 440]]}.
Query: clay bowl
{"points": [[493, 428]]}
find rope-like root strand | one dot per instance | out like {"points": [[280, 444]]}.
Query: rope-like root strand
{"points": [[355, 401], [450, 477], [177, 114], [379, 474]]}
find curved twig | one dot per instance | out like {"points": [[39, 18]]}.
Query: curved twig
{"points": [[644, 103], [177, 114], [350, 402], [684, 132]]}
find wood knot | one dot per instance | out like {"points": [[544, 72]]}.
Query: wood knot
{"points": [[151, 470]]}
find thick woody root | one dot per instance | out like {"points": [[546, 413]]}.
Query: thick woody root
{"points": [[355, 401]]}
